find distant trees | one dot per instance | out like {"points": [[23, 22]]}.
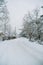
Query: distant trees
{"points": [[14, 33], [9, 29], [32, 26]]}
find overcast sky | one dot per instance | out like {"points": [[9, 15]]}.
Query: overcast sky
{"points": [[18, 8]]}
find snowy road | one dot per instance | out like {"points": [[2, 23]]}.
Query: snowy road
{"points": [[20, 52]]}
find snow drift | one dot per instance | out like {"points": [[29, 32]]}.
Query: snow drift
{"points": [[21, 52]]}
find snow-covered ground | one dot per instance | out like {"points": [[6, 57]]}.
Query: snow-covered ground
{"points": [[21, 52]]}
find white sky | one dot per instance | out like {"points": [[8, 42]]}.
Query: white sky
{"points": [[17, 9]]}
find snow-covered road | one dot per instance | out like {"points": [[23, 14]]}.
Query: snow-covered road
{"points": [[20, 52]]}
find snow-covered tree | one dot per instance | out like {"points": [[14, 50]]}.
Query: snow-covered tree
{"points": [[3, 14], [4, 17], [32, 26]]}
